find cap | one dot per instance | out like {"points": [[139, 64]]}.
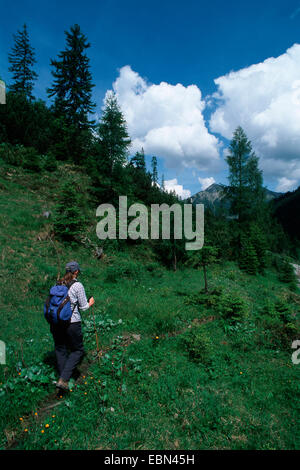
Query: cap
{"points": [[72, 267]]}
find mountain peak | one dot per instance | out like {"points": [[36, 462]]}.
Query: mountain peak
{"points": [[214, 196], [213, 187]]}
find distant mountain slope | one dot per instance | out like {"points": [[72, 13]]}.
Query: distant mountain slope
{"points": [[213, 197], [287, 210]]}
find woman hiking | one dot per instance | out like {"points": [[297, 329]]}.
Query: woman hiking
{"points": [[69, 336]]}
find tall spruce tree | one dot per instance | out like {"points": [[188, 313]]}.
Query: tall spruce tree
{"points": [[22, 60], [72, 86], [72, 93]]}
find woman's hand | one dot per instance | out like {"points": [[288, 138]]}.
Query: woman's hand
{"points": [[91, 301]]}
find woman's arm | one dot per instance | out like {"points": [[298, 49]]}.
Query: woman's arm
{"points": [[82, 302]]}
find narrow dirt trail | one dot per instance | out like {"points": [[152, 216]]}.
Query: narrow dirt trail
{"points": [[56, 398]]}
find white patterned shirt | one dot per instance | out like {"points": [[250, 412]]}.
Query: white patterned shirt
{"points": [[77, 299]]}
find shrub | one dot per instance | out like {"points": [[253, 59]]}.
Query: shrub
{"points": [[68, 218], [123, 268], [232, 308], [49, 162], [10, 155], [198, 344], [279, 329], [286, 274], [248, 260], [30, 158], [18, 155], [210, 300]]}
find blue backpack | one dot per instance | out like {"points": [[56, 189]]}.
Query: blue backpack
{"points": [[57, 308]]}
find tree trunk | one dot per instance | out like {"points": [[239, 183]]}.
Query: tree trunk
{"points": [[174, 261], [205, 279]]}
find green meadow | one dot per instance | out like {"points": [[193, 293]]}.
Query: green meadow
{"points": [[178, 369]]}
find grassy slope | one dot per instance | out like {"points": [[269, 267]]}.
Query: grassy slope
{"points": [[147, 393]]}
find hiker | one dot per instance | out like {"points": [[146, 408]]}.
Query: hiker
{"points": [[69, 336]]}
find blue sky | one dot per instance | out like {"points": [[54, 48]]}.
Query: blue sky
{"points": [[188, 43]]}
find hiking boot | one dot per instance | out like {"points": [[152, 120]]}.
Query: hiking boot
{"points": [[62, 384]]}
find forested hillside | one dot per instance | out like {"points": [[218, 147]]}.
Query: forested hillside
{"points": [[195, 346]]}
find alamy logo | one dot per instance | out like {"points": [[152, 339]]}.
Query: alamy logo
{"points": [[144, 225], [296, 354], [2, 353], [2, 92]]}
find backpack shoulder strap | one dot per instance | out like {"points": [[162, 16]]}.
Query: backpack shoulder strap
{"points": [[69, 284], [47, 303]]}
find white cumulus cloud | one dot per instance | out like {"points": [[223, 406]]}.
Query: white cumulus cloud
{"points": [[172, 185], [167, 121], [265, 100], [285, 184], [206, 182]]}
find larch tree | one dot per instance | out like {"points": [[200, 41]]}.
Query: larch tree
{"points": [[245, 189], [114, 138], [248, 203]]}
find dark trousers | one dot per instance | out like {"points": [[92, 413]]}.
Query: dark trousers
{"points": [[68, 347]]}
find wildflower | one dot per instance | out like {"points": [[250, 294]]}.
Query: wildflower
{"points": [[83, 376], [85, 383], [42, 431], [19, 373], [26, 430], [71, 390], [46, 425], [21, 419], [60, 396], [156, 337], [85, 393], [241, 373], [53, 416], [35, 414]]}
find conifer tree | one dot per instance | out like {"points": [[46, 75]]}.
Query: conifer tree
{"points": [[113, 134], [72, 86], [245, 179], [68, 217], [287, 274], [202, 259], [22, 60], [245, 190], [248, 260], [259, 243], [139, 161], [72, 93], [154, 170]]}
